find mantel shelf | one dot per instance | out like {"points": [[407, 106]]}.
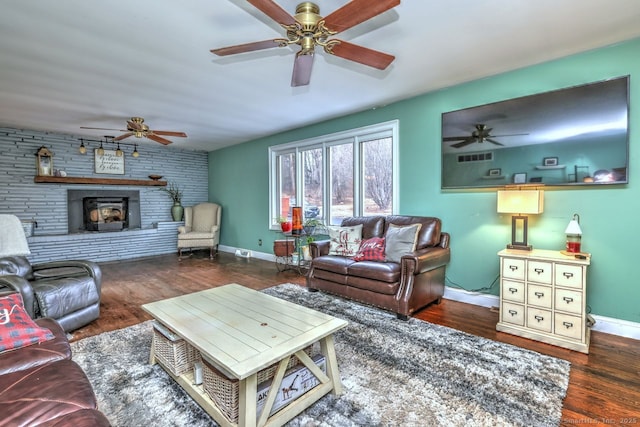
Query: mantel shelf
{"points": [[97, 181]]}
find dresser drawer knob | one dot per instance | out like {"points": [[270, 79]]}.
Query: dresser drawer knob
{"points": [[538, 318], [513, 290], [539, 270], [513, 267], [539, 294], [567, 325], [567, 275], [567, 299], [513, 312]]}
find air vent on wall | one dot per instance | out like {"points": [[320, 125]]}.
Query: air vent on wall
{"points": [[475, 157]]}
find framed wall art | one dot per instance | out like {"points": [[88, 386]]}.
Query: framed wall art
{"points": [[108, 162]]}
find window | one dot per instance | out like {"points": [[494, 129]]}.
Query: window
{"points": [[351, 173]]}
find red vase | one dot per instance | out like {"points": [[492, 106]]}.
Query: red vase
{"points": [[286, 226]]}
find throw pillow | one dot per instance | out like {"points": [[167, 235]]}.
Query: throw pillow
{"points": [[400, 240], [345, 241], [17, 329], [371, 250]]}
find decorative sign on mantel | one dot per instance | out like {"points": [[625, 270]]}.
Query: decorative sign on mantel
{"points": [[109, 162]]}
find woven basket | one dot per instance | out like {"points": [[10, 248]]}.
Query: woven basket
{"points": [[175, 355], [225, 391]]}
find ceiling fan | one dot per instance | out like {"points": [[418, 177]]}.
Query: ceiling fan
{"points": [[137, 128], [308, 29], [480, 134]]}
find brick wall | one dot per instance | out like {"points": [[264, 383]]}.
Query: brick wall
{"points": [[47, 203]]}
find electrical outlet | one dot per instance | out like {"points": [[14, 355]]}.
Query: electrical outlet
{"points": [[259, 242]]}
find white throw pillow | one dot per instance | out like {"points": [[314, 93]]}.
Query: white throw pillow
{"points": [[400, 240], [345, 241]]}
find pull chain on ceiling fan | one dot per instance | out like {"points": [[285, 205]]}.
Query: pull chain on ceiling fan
{"points": [[308, 29], [137, 128]]}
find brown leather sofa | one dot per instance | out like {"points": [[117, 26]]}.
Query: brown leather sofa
{"points": [[403, 288], [40, 385], [67, 291]]}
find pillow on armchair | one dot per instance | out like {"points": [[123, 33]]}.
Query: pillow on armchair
{"points": [[17, 329]]}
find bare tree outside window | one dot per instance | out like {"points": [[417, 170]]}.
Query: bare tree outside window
{"points": [[378, 176], [341, 170]]}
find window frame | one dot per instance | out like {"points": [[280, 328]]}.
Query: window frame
{"points": [[355, 137]]}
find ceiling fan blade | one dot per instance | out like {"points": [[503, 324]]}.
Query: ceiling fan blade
{"points": [[169, 133], [119, 130], [157, 138], [457, 138], [356, 12], [123, 136], [361, 54], [246, 47], [132, 125], [273, 11], [302, 69], [493, 141], [511, 134], [463, 143]]}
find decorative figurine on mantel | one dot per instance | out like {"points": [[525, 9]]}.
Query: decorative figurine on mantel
{"points": [[44, 162]]}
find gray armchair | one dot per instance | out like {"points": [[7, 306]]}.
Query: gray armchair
{"points": [[201, 228], [67, 291]]}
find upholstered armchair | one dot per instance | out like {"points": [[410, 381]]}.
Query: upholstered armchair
{"points": [[201, 228]]}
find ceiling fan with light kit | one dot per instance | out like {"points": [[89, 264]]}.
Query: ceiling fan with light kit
{"points": [[308, 29], [137, 128], [481, 134]]}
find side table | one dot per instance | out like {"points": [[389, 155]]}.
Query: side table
{"points": [[289, 253]]}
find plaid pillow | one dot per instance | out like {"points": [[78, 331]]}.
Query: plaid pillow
{"points": [[371, 250], [17, 329]]}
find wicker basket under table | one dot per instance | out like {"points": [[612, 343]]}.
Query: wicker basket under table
{"points": [[174, 353], [225, 391]]}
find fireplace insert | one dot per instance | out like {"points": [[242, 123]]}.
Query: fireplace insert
{"points": [[105, 213]]}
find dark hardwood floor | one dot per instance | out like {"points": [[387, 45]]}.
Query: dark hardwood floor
{"points": [[604, 386]]}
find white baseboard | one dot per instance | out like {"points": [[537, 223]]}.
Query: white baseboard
{"points": [[608, 325]]}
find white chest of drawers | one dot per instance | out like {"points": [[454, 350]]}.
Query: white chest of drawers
{"points": [[543, 297]]}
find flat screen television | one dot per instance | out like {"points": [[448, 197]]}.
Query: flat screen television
{"points": [[574, 136]]}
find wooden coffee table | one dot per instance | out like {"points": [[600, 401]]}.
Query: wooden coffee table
{"points": [[241, 331]]}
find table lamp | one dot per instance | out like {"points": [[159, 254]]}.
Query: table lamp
{"points": [[521, 203], [12, 239]]}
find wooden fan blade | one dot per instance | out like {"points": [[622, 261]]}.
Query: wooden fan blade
{"points": [[157, 138], [302, 70], [273, 11], [247, 47], [169, 133], [123, 136], [131, 125], [463, 143], [457, 138], [363, 55], [493, 141], [356, 12], [118, 130]]}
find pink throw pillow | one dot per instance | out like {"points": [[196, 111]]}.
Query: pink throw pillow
{"points": [[17, 329], [371, 250]]}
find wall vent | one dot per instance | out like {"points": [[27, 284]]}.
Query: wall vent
{"points": [[476, 157]]}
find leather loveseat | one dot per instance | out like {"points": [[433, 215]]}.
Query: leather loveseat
{"points": [[40, 385], [67, 291], [402, 287]]}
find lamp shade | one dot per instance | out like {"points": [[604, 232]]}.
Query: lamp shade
{"points": [[573, 228], [12, 239], [521, 202]]}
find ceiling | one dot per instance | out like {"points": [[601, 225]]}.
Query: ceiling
{"points": [[77, 63]]}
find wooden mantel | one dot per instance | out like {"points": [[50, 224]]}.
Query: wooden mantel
{"points": [[97, 181]]}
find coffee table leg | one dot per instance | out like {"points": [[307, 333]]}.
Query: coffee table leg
{"points": [[152, 356], [247, 401], [327, 346]]}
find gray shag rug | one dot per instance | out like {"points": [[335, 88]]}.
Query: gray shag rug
{"points": [[394, 373]]}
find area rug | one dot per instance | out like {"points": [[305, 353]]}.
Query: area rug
{"points": [[394, 373]]}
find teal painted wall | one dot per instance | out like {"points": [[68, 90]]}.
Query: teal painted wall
{"points": [[239, 181]]}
